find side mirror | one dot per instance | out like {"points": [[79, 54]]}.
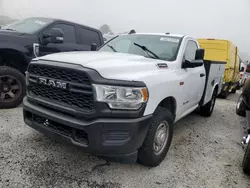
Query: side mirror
{"points": [[54, 36], [192, 64], [93, 47], [197, 62], [199, 55]]}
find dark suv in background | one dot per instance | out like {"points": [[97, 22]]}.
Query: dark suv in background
{"points": [[26, 39]]}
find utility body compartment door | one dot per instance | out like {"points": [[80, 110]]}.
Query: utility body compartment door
{"points": [[215, 72]]}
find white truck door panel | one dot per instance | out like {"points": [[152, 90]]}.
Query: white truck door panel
{"points": [[197, 83], [193, 80], [192, 87]]}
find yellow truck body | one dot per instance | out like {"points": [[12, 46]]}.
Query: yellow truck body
{"points": [[225, 51]]}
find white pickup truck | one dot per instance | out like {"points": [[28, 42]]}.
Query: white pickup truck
{"points": [[122, 100]]}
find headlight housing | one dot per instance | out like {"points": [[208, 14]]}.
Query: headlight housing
{"points": [[117, 97]]}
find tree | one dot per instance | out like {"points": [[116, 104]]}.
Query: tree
{"points": [[105, 29]]}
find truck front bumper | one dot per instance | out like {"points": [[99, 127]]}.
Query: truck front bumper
{"points": [[110, 137]]}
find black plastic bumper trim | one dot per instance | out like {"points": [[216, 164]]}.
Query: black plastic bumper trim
{"points": [[95, 130]]}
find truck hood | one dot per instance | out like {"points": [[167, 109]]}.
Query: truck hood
{"points": [[3, 33], [112, 65], [15, 38]]}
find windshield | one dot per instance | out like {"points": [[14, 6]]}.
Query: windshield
{"points": [[162, 47], [29, 25]]}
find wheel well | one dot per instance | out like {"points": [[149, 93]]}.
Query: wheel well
{"points": [[13, 58], [170, 104]]}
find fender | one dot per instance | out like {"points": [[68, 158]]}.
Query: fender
{"points": [[24, 53], [215, 85], [15, 47], [209, 95]]}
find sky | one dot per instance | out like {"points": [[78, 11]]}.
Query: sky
{"points": [[224, 19]]}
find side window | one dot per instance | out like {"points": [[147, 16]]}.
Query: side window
{"points": [[69, 33], [190, 50], [87, 37]]}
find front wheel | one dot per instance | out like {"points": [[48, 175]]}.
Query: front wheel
{"points": [[207, 109], [246, 160], [158, 139], [12, 87]]}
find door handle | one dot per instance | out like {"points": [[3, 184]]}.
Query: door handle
{"points": [[202, 75]]}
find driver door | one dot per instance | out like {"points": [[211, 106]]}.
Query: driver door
{"points": [[194, 79]]}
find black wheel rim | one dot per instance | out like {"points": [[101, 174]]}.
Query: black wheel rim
{"points": [[10, 88]]}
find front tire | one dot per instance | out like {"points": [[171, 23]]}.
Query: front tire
{"points": [[208, 109], [12, 87], [158, 139], [246, 160]]}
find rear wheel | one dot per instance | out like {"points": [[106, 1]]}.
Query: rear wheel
{"points": [[158, 139], [246, 160], [233, 90], [237, 87], [12, 87], [207, 109], [224, 94]]}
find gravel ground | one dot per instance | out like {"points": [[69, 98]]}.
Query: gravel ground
{"points": [[205, 152]]}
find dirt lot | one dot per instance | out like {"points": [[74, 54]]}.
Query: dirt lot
{"points": [[205, 152]]}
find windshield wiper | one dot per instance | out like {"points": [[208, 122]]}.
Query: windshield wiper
{"points": [[9, 29], [147, 50], [112, 48]]}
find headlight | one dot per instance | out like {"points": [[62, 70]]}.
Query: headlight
{"points": [[121, 97]]}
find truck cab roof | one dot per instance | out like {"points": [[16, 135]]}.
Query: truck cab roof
{"points": [[159, 34], [62, 20]]}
